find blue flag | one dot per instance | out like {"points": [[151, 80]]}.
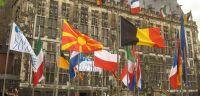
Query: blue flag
{"points": [[183, 45], [132, 84], [75, 58], [182, 37]]}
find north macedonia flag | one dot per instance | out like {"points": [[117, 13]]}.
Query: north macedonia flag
{"points": [[73, 40]]}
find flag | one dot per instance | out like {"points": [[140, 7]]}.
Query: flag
{"points": [[106, 60], [131, 67], [99, 2], [63, 63], [135, 7], [138, 76], [186, 17], [182, 34], [173, 76], [73, 40], [124, 77], [163, 11], [131, 35], [128, 75], [18, 42], [183, 45], [175, 73], [38, 75], [87, 65], [75, 58]]}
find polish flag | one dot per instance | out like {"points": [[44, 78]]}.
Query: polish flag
{"points": [[106, 60], [135, 6]]}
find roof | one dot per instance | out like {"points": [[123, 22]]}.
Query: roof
{"points": [[173, 6]]}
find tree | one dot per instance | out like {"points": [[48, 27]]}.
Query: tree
{"points": [[2, 3]]}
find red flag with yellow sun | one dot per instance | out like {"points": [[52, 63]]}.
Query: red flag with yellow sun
{"points": [[73, 40]]}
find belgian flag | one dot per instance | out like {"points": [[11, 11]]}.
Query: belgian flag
{"points": [[131, 35]]}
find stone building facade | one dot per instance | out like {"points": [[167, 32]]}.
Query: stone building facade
{"points": [[45, 17]]}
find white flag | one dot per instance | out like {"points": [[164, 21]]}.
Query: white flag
{"points": [[19, 43], [88, 66]]}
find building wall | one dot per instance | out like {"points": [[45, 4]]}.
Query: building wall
{"points": [[100, 23]]}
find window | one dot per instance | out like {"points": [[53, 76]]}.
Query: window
{"points": [[189, 41], [40, 26], [51, 47], [167, 39], [84, 20], [52, 30], [40, 7], [50, 65], [105, 31], [65, 11], [53, 9], [95, 24]]}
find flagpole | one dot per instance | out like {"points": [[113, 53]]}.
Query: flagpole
{"points": [[7, 58], [30, 64], [57, 58], [77, 74], [119, 67], [184, 60], [33, 35], [91, 79], [125, 52], [57, 72], [5, 74], [126, 58]]}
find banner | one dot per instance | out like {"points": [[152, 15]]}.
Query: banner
{"points": [[19, 43], [88, 66]]}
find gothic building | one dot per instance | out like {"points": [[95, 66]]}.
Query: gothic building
{"points": [[45, 17]]}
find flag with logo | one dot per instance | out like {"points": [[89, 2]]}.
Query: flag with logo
{"points": [[87, 65], [18, 42]]}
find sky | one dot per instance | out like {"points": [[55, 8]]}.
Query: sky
{"points": [[194, 6]]}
